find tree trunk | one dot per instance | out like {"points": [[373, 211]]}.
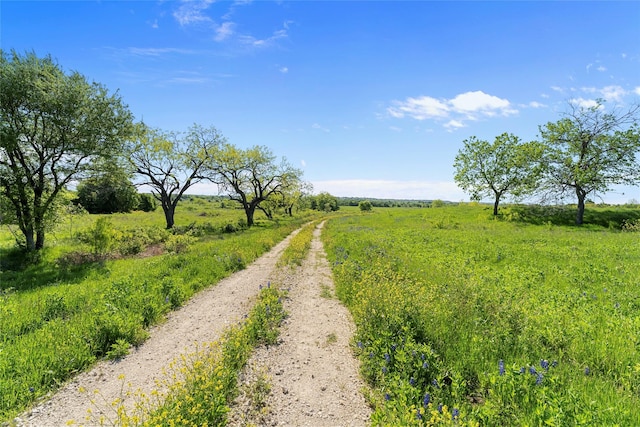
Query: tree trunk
{"points": [[495, 206], [249, 211], [580, 214], [169, 212], [40, 239], [30, 241]]}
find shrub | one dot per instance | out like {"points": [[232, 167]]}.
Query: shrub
{"points": [[365, 206]]}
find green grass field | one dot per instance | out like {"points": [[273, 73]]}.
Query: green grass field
{"points": [[59, 315], [466, 320]]}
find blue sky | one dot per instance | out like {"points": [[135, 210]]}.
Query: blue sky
{"points": [[370, 99]]}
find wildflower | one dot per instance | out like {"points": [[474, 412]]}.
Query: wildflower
{"points": [[384, 370], [501, 367], [412, 381], [455, 413], [435, 383], [532, 370], [440, 407], [544, 363], [387, 396], [387, 357], [587, 371], [393, 347], [260, 287], [425, 365], [422, 356], [268, 284], [413, 353], [371, 355], [554, 363], [360, 345], [426, 400], [418, 414], [522, 370], [32, 390], [539, 379]]}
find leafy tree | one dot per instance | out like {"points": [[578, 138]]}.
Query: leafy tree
{"points": [[171, 163], [365, 206], [588, 151], [506, 166], [325, 202], [252, 176], [53, 126], [147, 203], [108, 191]]}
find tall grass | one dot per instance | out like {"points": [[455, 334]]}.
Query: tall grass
{"points": [[501, 323]]}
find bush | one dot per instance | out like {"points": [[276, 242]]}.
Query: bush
{"points": [[365, 206], [148, 203]]}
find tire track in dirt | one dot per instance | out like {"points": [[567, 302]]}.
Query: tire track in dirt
{"points": [[201, 320], [313, 374]]}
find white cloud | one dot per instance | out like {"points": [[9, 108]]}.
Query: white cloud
{"points": [[613, 93], [465, 106], [454, 124], [602, 68], [637, 90], [584, 103], [383, 189], [253, 41], [535, 104], [317, 126], [283, 70], [303, 163], [224, 31], [192, 11]]}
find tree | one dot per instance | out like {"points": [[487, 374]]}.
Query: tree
{"points": [[252, 176], [365, 206], [171, 163], [53, 126], [324, 202], [107, 191], [589, 150], [506, 166]]}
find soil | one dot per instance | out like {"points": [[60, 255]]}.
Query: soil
{"points": [[310, 378]]}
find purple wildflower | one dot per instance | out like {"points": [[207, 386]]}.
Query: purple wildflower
{"points": [[554, 363], [539, 379], [360, 345], [393, 347], [522, 370], [384, 370], [544, 363], [387, 358], [501, 367], [412, 381], [418, 414], [587, 371], [426, 400], [435, 383], [387, 396], [440, 407], [268, 284], [455, 413], [425, 365], [532, 370]]}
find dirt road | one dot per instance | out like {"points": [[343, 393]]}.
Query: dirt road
{"points": [[315, 379]]}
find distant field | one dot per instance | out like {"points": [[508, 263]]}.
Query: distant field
{"points": [[65, 311], [519, 321]]}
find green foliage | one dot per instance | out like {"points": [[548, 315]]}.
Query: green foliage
{"points": [[298, 248], [505, 167], [458, 312], [99, 237], [324, 202], [252, 176], [148, 203], [365, 206], [107, 193], [588, 151], [55, 125]]}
